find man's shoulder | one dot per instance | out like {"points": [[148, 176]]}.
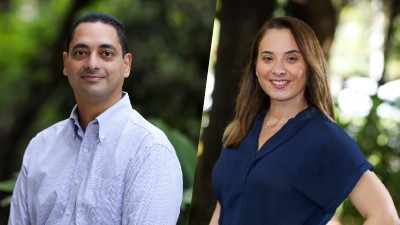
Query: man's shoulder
{"points": [[50, 135], [153, 134], [55, 129]]}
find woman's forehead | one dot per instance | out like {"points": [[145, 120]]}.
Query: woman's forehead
{"points": [[278, 40]]}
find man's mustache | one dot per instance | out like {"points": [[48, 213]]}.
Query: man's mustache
{"points": [[98, 73]]}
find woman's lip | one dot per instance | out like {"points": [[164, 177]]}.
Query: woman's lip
{"points": [[279, 83]]}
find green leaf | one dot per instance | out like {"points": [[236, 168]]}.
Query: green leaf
{"points": [[6, 201], [7, 186]]}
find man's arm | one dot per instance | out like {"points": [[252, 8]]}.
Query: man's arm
{"points": [[19, 209], [153, 194]]}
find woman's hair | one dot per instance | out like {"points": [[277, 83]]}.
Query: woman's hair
{"points": [[252, 98]]}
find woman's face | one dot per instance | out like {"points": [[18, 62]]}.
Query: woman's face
{"points": [[280, 67]]}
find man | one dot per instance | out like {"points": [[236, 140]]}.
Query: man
{"points": [[105, 164]]}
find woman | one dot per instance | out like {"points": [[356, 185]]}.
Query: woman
{"points": [[284, 160]]}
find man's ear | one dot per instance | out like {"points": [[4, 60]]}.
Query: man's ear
{"points": [[65, 57], [128, 64]]}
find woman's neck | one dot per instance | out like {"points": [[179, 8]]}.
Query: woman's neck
{"points": [[281, 112]]}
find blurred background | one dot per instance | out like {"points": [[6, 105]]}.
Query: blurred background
{"points": [[361, 41], [170, 42]]}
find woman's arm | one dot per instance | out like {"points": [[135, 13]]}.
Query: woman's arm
{"points": [[373, 201], [215, 216]]}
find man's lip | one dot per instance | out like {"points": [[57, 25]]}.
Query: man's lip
{"points": [[91, 77]]}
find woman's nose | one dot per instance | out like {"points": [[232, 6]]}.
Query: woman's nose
{"points": [[279, 72]]}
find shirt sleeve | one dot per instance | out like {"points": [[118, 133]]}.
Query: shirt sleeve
{"points": [[330, 166], [19, 211], [154, 191]]}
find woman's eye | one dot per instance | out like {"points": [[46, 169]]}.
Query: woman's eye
{"points": [[291, 59], [267, 59]]}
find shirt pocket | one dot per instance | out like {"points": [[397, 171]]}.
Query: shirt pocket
{"points": [[101, 202]]}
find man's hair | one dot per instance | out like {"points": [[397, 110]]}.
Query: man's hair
{"points": [[106, 19]]}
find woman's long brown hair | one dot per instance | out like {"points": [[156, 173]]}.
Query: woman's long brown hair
{"points": [[251, 98]]}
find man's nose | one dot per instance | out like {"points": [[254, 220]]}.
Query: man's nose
{"points": [[92, 62]]}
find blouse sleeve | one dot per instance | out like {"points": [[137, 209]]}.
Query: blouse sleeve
{"points": [[331, 165]]}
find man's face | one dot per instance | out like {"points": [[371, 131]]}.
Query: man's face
{"points": [[94, 64]]}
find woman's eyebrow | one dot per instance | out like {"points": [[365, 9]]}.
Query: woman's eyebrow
{"points": [[287, 52], [293, 51], [267, 52]]}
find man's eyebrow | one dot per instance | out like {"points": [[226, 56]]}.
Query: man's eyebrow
{"points": [[109, 46], [103, 46], [287, 52], [79, 45]]}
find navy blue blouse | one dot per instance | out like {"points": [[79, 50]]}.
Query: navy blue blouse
{"points": [[299, 176]]}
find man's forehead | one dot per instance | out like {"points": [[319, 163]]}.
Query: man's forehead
{"points": [[92, 28], [95, 33]]}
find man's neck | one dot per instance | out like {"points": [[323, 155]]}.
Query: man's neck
{"points": [[89, 110]]}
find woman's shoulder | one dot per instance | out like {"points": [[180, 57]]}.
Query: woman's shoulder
{"points": [[322, 127], [322, 121]]}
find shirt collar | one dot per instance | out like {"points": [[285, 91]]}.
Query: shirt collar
{"points": [[73, 118], [107, 119], [293, 126], [114, 115]]}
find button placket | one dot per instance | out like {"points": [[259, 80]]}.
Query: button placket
{"points": [[85, 150], [102, 138], [79, 172]]}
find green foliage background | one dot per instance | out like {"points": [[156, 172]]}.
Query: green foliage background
{"points": [[170, 42], [379, 139]]}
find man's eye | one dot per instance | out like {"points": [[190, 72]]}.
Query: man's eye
{"points": [[79, 53], [108, 53]]}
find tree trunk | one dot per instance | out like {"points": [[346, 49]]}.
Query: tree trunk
{"points": [[393, 7], [240, 21], [321, 16]]}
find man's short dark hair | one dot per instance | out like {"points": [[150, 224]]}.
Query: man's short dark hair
{"points": [[106, 19]]}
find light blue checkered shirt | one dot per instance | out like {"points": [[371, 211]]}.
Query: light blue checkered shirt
{"points": [[122, 170]]}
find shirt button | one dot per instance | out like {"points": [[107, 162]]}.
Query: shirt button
{"points": [[76, 181], [85, 150], [101, 137], [68, 213]]}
